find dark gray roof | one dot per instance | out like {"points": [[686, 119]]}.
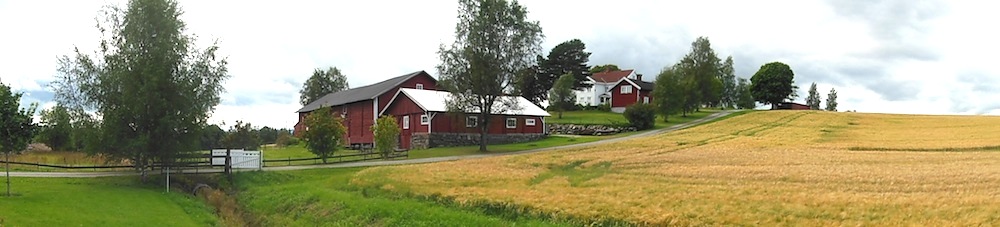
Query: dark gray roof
{"points": [[643, 85], [359, 93]]}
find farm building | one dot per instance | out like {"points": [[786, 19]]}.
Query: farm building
{"points": [[359, 107], [426, 122], [629, 91], [600, 84], [792, 106]]}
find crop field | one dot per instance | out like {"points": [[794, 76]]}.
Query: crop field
{"points": [[761, 168]]}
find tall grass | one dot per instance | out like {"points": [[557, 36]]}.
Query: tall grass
{"points": [[759, 168]]}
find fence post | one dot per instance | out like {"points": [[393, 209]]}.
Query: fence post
{"points": [[229, 162]]}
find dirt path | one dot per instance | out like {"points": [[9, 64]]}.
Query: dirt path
{"points": [[395, 162]]}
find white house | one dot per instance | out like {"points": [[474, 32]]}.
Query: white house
{"points": [[598, 93]]}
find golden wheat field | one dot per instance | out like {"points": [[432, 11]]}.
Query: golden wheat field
{"points": [[761, 168]]}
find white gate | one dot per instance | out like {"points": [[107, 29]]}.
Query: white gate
{"points": [[241, 159]]}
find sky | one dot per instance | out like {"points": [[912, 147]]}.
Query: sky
{"points": [[889, 56]]}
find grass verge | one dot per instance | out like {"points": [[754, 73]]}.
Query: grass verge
{"points": [[108, 201], [326, 197]]}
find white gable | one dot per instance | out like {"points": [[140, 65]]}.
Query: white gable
{"points": [[435, 101]]}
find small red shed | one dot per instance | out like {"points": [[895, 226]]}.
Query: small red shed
{"points": [[424, 121], [630, 91], [359, 107]]}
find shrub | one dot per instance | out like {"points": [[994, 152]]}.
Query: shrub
{"points": [[604, 107], [640, 115]]}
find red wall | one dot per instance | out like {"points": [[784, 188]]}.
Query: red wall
{"points": [[428, 82], [623, 100], [455, 123]]}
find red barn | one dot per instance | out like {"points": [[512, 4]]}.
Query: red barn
{"points": [[424, 121], [359, 107], [630, 91]]}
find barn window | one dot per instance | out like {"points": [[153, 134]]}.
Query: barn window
{"points": [[406, 122], [471, 121], [511, 122], [626, 89], [529, 122], [424, 120], [420, 86], [645, 99]]}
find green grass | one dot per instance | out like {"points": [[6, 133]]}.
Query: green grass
{"points": [[325, 197], [550, 141], [300, 151], [109, 201], [596, 117]]}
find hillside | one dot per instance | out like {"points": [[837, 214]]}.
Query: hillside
{"points": [[766, 167]]}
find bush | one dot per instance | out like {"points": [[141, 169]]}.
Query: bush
{"points": [[604, 107], [640, 115]]}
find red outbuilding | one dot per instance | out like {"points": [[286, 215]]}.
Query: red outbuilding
{"points": [[629, 91], [425, 121], [359, 107]]}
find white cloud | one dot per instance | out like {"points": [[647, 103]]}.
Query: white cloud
{"points": [[272, 47]]}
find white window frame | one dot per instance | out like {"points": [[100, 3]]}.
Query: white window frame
{"points": [[511, 120], [529, 122], [420, 86], [406, 122], [424, 120], [645, 99], [473, 119], [626, 89]]}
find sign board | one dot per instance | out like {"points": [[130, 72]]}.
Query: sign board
{"points": [[241, 159]]}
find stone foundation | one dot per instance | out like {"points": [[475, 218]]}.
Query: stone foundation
{"points": [[428, 140]]}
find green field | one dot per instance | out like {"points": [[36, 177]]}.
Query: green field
{"points": [[597, 117], [325, 197], [109, 201]]}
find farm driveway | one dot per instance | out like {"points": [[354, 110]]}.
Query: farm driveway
{"points": [[396, 162]]}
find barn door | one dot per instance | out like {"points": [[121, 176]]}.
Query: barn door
{"points": [[404, 133]]}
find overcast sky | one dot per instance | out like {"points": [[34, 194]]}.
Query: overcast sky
{"points": [[897, 56]]}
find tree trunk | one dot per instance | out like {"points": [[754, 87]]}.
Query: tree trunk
{"points": [[560, 114], [7, 162], [483, 130]]}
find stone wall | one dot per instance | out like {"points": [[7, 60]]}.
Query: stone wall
{"points": [[596, 130], [428, 140]]}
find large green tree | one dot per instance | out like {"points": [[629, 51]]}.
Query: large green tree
{"points": [[152, 88], [322, 82], [568, 57], [728, 78], [493, 41], [16, 126], [324, 133], [668, 96], [532, 84], [211, 137], [831, 100], [702, 66], [813, 100], [561, 96], [772, 84]]}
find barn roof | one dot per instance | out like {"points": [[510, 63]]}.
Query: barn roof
{"points": [[359, 93], [435, 101]]}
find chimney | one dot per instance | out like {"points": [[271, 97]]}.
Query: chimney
{"points": [[638, 77]]}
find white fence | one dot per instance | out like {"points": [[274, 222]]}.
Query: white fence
{"points": [[241, 159]]}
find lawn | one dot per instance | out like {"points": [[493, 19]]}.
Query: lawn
{"points": [[324, 197], [110, 201], [801, 168], [551, 141]]}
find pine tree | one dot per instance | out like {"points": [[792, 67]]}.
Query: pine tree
{"points": [[831, 100], [813, 99]]}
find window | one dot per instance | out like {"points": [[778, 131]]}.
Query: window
{"points": [[406, 122], [529, 122], [511, 122], [471, 121], [420, 86], [645, 99], [424, 120], [626, 89]]}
